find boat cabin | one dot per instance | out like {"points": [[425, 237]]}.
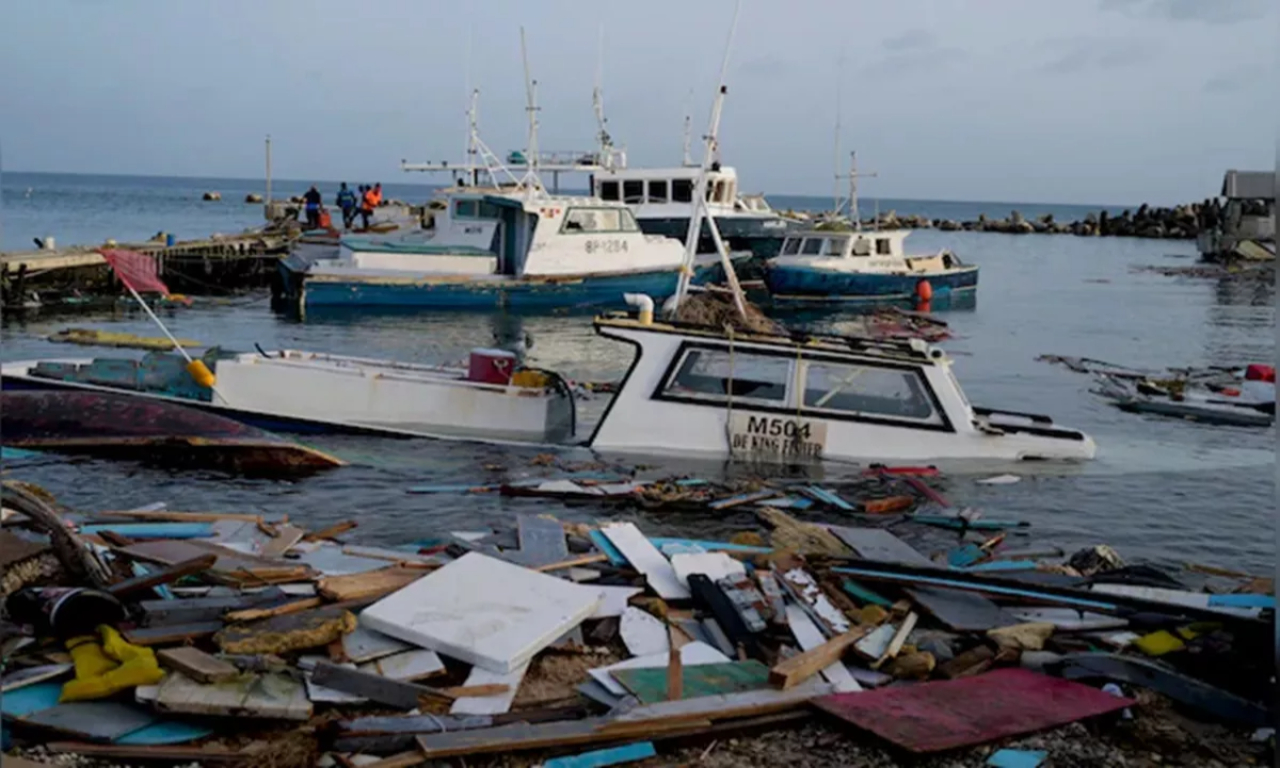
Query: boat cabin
{"points": [[664, 186], [696, 390], [484, 233], [869, 251]]}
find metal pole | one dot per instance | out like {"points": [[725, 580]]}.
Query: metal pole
{"points": [[268, 169], [147, 309]]}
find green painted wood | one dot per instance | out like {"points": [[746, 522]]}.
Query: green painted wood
{"points": [[650, 684]]}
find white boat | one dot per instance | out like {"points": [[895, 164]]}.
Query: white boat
{"points": [[312, 392], [832, 266], [1192, 403], [662, 199], [697, 391]]}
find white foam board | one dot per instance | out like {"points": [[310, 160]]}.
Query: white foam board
{"points": [[643, 634], [646, 558], [615, 600], [713, 565], [484, 611]]}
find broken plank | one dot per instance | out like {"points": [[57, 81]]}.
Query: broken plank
{"points": [[740, 499], [393, 693], [745, 704], [192, 609], [376, 583], [363, 644], [21, 678], [180, 517], [172, 634], [331, 532], [606, 547], [572, 563], [166, 575], [529, 736], [604, 757], [254, 614], [157, 530], [286, 536], [196, 664], [409, 665], [209, 753], [797, 669], [392, 555], [495, 703], [646, 559], [93, 720], [810, 638], [292, 632], [267, 696], [899, 637]]}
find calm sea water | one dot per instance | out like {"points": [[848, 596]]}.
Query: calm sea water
{"points": [[1160, 489]]}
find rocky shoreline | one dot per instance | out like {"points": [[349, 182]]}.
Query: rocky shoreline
{"points": [[1183, 222]]}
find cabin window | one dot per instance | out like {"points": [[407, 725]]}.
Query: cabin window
{"points": [[869, 391], [682, 191], [812, 246], [835, 246], [633, 192], [609, 190], [466, 209], [791, 247], [882, 246], [598, 220], [488, 210], [861, 247], [658, 191], [715, 375]]}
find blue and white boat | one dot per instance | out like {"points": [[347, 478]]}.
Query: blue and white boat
{"points": [[818, 267], [521, 249]]}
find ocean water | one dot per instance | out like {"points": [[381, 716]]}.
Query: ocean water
{"points": [[1160, 489]]}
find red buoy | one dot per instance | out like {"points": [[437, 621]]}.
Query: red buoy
{"points": [[924, 291]]}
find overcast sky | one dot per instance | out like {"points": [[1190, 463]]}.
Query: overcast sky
{"points": [[1076, 101]]}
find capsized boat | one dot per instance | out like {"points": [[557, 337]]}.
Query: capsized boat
{"points": [[1250, 406], [805, 397], [830, 267], [291, 390], [121, 427]]}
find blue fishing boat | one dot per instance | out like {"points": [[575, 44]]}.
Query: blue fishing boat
{"points": [[831, 267]]}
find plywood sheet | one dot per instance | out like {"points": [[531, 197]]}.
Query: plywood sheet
{"points": [[649, 685], [483, 611], [937, 716], [691, 654]]}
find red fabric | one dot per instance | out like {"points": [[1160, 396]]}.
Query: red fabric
{"points": [[1259, 372], [136, 270], [931, 717]]}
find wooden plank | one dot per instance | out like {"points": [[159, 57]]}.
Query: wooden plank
{"points": [[192, 609], [409, 665], [196, 664], [392, 555], [21, 678], [286, 536], [899, 637], [292, 632], [605, 546], [172, 634], [880, 545], [14, 548], [650, 685], [332, 532], [166, 575], [797, 669], [483, 611], [604, 757], [393, 693], [377, 583], [209, 753], [529, 736], [496, 703], [230, 565], [745, 704], [541, 541], [745, 498], [710, 598], [254, 614], [93, 720], [180, 517], [572, 563], [646, 559], [267, 696], [810, 638]]}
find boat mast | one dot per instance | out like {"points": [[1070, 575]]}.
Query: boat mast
{"points": [[710, 154], [531, 93], [836, 203], [597, 104], [688, 129], [853, 191]]}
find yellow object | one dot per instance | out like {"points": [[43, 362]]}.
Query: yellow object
{"points": [[872, 614], [96, 338], [531, 379], [1025, 637], [201, 373], [107, 667], [1159, 643]]}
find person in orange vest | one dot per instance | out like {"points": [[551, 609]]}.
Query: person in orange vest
{"points": [[368, 201], [377, 194]]}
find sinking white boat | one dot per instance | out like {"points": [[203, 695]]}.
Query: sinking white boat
{"points": [[494, 398], [695, 390], [1248, 409]]}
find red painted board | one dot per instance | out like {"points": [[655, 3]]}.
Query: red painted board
{"points": [[931, 717]]}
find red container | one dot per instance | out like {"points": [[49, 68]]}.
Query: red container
{"points": [[491, 366], [1259, 372]]}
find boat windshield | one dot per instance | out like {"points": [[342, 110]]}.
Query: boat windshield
{"points": [[791, 247], [586, 220], [717, 374], [859, 389]]}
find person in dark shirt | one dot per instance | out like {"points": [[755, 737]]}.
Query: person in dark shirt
{"points": [[346, 201], [312, 201]]}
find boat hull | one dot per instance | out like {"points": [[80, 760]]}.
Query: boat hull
{"points": [[118, 426], [803, 284], [762, 236]]}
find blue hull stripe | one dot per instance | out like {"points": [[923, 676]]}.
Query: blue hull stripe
{"points": [[801, 282]]}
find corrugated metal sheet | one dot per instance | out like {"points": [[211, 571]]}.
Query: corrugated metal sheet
{"points": [[1249, 185]]}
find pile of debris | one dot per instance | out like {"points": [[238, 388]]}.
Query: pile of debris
{"points": [[236, 639]]}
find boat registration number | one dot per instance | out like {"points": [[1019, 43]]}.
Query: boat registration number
{"points": [[606, 246], [780, 438]]}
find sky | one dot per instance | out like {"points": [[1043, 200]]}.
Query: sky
{"points": [[1062, 101]]}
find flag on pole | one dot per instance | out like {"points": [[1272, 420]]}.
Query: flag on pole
{"points": [[136, 270]]}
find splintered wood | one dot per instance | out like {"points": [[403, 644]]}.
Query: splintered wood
{"points": [[801, 538]]}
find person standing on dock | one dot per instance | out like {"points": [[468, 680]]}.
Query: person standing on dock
{"points": [[312, 201], [346, 201], [367, 203]]}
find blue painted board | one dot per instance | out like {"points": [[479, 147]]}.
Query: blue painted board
{"points": [[1001, 565], [787, 502], [823, 496], [966, 555], [456, 488], [29, 700], [1242, 601], [990, 589], [153, 530], [605, 546], [165, 732], [708, 546], [958, 523], [864, 594], [603, 757], [1017, 758]]}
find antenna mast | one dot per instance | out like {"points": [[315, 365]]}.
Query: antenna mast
{"points": [[597, 104], [531, 93], [835, 160]]}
